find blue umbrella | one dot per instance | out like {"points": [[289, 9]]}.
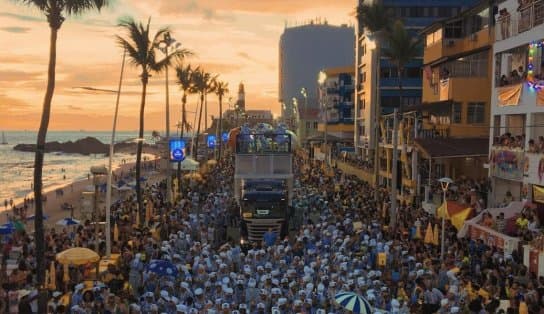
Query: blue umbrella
{"points": [[68, 222], [32, 217], [352, 302], [6, 230], [162, 268]]}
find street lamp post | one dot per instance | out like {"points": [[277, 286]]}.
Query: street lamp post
{"points": [[304, 93], [323, 89], [444, 184], [165, 44], [98, 173], [110, 170]]}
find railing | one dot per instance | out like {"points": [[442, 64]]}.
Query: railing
{"points": [[270, 143], [527, 18]]}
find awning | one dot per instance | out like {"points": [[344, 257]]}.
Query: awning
{"points": [[453, 147], [443, 107], [319, 137]]}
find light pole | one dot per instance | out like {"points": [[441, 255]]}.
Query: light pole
{"points": [[110, 170], [323, 89], [296, 115], [444, 184], [304, 94], [98, 173], [164, 45]]}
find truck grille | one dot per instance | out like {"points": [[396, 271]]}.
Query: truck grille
{"points": [[257, 227]]}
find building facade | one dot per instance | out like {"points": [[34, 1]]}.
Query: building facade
{"points": [[303, 52], [516, 141], [376, 81], [336, 90]]}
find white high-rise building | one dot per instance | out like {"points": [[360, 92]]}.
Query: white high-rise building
{"points": [[517, 103]]}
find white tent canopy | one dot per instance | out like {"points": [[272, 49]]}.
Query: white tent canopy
{"points": [[188, 164]]}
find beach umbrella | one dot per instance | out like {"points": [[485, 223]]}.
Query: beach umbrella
{"points": [[4, 230], [68, 221], [52, 274], [435, 235], [14, 225], [162, 268], [429, 234], [32, 217], [353, 302], [77, 256], [115, 233]]}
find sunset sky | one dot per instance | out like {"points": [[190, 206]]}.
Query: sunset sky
{"points": [[237, 39]]}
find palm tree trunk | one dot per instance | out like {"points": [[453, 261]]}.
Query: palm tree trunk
{"points": [[139, 151], [183, 122], [198, 128], [206, 111], [220, 126], [393, 209], [377, 114], [38, 169]]}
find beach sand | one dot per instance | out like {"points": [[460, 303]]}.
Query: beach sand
{"points": [[73, 195]]}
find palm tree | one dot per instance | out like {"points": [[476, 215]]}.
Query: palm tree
{"points": [[184, 76], [402, 48], [201, 85], [55, 12], [141, 50], [221, 89], [375, 20]]}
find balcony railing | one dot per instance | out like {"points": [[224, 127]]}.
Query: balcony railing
{"points": [[528, 17]]}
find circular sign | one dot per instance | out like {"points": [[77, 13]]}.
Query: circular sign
{"points": [[178, 154]]}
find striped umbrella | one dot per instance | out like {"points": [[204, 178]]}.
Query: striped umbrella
{"points": [[353, 302]]}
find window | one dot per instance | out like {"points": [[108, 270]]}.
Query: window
{"points": [[412, 72], [307, 124], [315, 125], [364, 77], [476, 112], [456, 115], [363, 103], [444, 11], [454, 30]]}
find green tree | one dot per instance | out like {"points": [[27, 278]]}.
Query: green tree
{"points": [[184, 76], [141, 49], [221, 89], [55, 11]]}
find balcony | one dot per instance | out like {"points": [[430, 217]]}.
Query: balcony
{"points": [[528, 17], [464, 89], [406, 82], [454, 46]]}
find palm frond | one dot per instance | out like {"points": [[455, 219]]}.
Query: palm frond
{"points": [[402, 46], [375, 18], [76, 7], [42, 5]]}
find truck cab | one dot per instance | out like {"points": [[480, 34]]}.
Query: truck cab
{"points": [[263, 183]]}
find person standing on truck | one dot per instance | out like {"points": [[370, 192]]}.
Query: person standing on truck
{"points": [[270, 237]]}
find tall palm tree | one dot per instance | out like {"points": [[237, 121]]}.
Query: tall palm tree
{"points": [[55, 11], [221, 89], [141, 49], [375, 21], [201, 85], [401, 49], [184, 76]]}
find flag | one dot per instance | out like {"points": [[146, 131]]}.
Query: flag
{"points": [[459, 219], [436, 238], [429, 234]]}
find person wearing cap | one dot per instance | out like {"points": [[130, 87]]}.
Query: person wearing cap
{"points": [[77, 296], [55, 301]]}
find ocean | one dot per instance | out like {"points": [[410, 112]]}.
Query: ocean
{"points": [[17, 168]]}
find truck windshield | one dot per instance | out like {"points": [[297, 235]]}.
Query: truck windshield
{"points": [[264, 209]]}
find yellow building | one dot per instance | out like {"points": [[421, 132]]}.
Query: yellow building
{"points": [[448, 133]]}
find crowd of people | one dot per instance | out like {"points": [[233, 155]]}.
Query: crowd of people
{"points": [[518, 142], [345, 241]]}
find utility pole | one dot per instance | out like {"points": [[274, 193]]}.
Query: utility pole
{"points": [[394, 183]]}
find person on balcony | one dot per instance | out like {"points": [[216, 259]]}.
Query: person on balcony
{"points": [[504, 20]]}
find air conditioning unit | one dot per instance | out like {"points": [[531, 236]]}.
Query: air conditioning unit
{"points": [[473, 37], [451, 43]]}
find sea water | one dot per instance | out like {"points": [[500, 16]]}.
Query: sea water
{"points": [[17, 168]]}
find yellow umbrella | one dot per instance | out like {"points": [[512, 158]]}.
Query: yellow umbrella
{"points": [[435, 236], [115, 233], [429, 234], [147, 212], [66, 275], [52, 277], [418, 233], [77, 256], [212, 162]]}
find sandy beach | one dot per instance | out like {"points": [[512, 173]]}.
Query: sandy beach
{"points": [[72, 195]]}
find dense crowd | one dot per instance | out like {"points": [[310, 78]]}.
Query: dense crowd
{"points": [[344, 241]]}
